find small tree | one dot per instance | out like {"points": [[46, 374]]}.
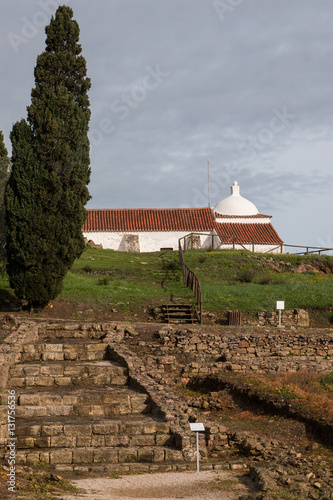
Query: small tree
{"points": [[47, 189], [4, 174]]}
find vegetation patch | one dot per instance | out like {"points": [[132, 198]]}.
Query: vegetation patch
{"points": [[230, 280]]}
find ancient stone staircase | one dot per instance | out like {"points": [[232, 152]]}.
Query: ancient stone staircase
{"points": [[76, 411], [180, 313]]}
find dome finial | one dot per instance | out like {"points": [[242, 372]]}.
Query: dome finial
{"points": [[235, 188]]}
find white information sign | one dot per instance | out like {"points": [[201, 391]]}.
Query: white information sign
{"points": [[197, 427], [280, 304]]}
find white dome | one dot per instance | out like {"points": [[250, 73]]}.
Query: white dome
{"points": [[235, 204]]}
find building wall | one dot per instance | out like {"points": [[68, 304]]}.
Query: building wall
{"points": [[153, 241], [148, 241]]}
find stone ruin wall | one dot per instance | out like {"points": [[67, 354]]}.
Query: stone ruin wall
{"points": [[189, 353]]}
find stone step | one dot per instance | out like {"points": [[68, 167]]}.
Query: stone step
{"points": [[54, 434], [98, 402], [139, 467], [133, 468], [99, 455], [92, 351], [99, 373]]}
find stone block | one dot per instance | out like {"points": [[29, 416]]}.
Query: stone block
{"points": [[98, 441], [52, 370], [62, 441], [61, 457], [31, 430], [91, 411], [173, 455], [35, 411], [52, 430], [53, 347], [117, 440], [25, 442], [42, 382], [62, 381], [145, 440], [78, 430], [42, 442], [59, 411], [73, 371], [130, 429], [30, 348], [128, 455], [164, 440], [70, 356], [44, 457], [111, 428], [31, 371], [70, 399], [21, 457], [106, 455], [32, 458], [52, 356], [30, 381], [83, 456], [159, 455], [17, 382], [150, 428]]}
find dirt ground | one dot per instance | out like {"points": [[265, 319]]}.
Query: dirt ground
{"points": [[206, 485]]}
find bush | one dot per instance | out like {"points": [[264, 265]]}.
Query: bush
{"points": [[103, 281], [327, 381], [245, 276]]}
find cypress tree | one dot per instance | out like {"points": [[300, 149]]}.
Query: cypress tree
{"points": [[4, 173], [47, 189]]}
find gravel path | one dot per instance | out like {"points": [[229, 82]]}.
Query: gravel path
{"points": [[171, 486]]}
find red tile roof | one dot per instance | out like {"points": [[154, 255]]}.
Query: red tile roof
{"points": [[149, 219], [247, 233], [177, 219]]}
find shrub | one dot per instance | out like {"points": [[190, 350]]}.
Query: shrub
{"points": [[103, 281], [245, 276]]}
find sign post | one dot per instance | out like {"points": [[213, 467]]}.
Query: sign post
{"points": [[197, 427], [280, 307]]}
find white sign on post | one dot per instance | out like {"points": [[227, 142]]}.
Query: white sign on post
{"points": [[197, 427], [280, 307]]}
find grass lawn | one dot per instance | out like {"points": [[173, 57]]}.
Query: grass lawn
{"points": [[236, 280], [239, 280]]}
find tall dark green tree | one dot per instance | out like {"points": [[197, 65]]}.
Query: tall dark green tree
{"points": [[4, 173], [47, 189]]}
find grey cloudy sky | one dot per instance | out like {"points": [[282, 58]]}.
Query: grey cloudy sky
{"points": [[247, 82]]}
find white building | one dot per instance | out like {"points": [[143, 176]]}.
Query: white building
{"points": [[234, 222]]}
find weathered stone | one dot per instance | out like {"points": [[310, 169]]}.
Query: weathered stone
{"points": [[83, 456], [128, 455], [78, 430], [61, 457], [62, 441], [105, 456]]}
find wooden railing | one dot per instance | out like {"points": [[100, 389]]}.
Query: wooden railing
{"points": [[191, 281], [308, 249]]}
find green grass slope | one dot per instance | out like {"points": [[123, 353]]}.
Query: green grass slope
{"points": [[236, 280], [252, 282]]}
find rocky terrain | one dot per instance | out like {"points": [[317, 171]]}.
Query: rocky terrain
{"points": [[182, 373]]}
